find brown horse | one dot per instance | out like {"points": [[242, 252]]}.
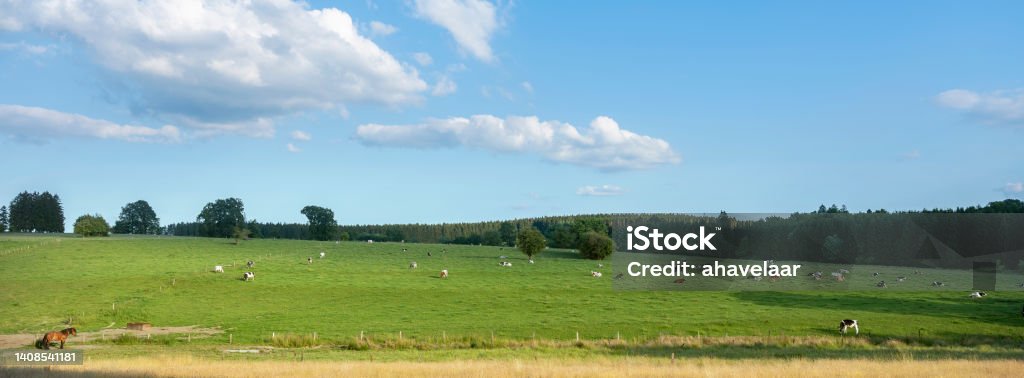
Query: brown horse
{"points": [[55, 336]]}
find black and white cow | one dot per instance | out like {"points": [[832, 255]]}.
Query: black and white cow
{"points": [[846, 324], [248, 276]]}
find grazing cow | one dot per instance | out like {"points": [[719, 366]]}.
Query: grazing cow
{"points": [[977, 294], [428, 254], [937, 283], [218, 269], [250, 263], [918, 272], [322, 254], [505, 263], [816, 275], [309, 260], [444, 273], [901, 279], [618, 276], [875, 274], [55, 336], [248, 276], [405, 249], [370, 241], [880, 284], [847, 324], [531, 261], [595, 274], [412, 265]]}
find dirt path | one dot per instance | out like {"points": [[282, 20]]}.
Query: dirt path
{"points": [[27, 339]]}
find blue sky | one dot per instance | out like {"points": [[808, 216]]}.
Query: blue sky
{"points": [[444, 111]]}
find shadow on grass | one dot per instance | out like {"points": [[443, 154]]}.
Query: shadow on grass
{"points": [[46, 371], [811, 352], [1003, 312]]}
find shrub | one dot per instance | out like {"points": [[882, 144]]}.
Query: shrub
{"points": [[92, 225], [595, 246]]}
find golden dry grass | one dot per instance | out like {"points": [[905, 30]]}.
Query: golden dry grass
{"points": [[609, 367]]}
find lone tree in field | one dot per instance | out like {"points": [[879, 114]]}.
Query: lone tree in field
{"points": [[92, 225], [220, 218], [595, 245], [531, 242], [137, 218], [240, 233], [322, 225]]}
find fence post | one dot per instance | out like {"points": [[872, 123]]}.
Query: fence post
{"points": [[231, 338], [360, 335], [577, 336]]}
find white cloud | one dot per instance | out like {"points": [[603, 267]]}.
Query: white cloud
{"points": [[26, 48], [1006, 106], [527, 86], [1014, 188], [422, 58], [912, 155], [226, 64], [445, 86], [301, 135], [600, 191], [471, 22], [381, 29], [32, 123], [293, 149], [604, 145]]}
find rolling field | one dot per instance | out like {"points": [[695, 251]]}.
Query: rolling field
{"points": [[369, 288]]}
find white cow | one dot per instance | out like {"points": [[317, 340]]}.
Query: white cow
{"points": [[505, 263], [595, 274], [248, 276], [412, 265], [977, 294], [322, 254], [218, 269], [444, 273]]}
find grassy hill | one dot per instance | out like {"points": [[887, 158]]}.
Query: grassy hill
{"points": [[361, 287]]}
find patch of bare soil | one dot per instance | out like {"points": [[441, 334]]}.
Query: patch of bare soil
{"points": [[27, 339]]}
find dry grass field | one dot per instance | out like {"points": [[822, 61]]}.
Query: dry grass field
{"points": [[613, 367]]}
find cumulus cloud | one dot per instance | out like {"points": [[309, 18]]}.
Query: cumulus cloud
{"points": [[527, 86], [445, 86], [41, 124], [1006, 106], [470, 22], [226, 64], [301, 135], [603, 145], [1013, 188], [423, 58], [293, 149], [600, 191], [381, 29]]}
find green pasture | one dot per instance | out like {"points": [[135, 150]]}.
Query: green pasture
{"points": [[47, 281]]}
